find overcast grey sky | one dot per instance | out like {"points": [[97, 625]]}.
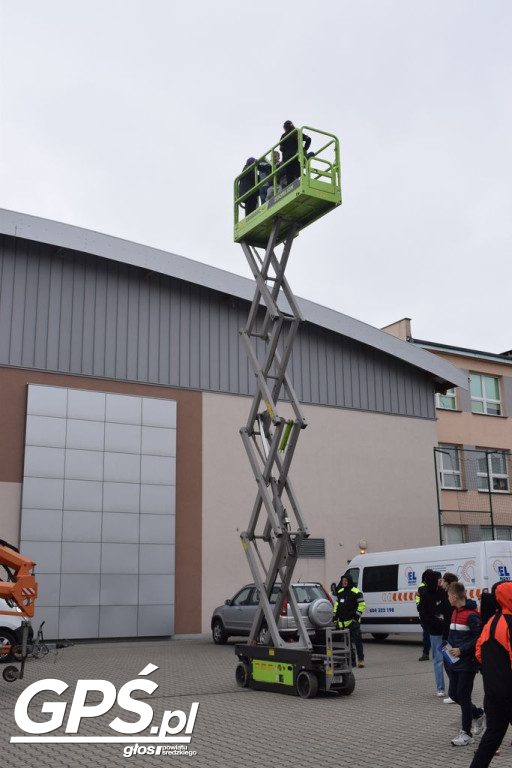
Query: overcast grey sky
{"points": [[132, 117]]}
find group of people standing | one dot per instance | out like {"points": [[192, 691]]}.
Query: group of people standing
{"points": [[289, 147], [452, 626]]}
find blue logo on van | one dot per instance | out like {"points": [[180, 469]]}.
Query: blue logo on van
{"points": [[411, 578], [503, 573]]}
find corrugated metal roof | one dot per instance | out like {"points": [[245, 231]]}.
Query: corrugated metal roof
{"points": [[152, 259]]}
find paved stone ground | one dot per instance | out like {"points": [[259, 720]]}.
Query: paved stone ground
{"points": [[393, 718]]}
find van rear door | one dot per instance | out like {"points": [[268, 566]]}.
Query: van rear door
{"points": [[498, 558]]}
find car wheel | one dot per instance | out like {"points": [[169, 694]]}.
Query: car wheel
{"points": [[306, 684], [7, 644], [263, 635], [380, 635], [242, 675], [349, 683], [219, 633]]}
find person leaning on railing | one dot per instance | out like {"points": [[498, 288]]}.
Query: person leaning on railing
{"points": [[264, 170]]}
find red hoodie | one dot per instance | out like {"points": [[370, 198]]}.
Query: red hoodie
{"points": [[494, 647]]}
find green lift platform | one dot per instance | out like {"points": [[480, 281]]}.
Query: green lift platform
{"points": [[320, 660], [314, 193]]}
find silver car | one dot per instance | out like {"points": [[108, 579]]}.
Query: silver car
{"points": [[235, 617]]}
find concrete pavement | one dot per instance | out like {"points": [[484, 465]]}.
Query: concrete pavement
{"points": [[392, 719]]}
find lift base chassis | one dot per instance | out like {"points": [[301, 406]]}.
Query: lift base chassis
{"points": [[298, 672]]}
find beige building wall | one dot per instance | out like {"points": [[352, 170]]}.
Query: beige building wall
{"points": [[466, 428], [356, 474]]}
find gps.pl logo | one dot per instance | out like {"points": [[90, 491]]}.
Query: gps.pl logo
{"points": [[172, 732]]}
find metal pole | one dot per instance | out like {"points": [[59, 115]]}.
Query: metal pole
{"points": [[488, 454], [438, 492]]}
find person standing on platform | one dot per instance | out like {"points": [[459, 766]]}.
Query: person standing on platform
{"points": [[246, 182], [289, 147], [348, 610]]}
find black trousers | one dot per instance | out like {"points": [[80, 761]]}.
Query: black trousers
{"points": [[499, 714], [291, 172], [460, 689]]}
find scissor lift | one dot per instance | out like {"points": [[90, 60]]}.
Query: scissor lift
{"points": [[270, 438]]}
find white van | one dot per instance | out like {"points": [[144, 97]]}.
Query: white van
{"points": [[390, 580]]}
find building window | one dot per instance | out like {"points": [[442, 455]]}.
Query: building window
{"points": [[501, 532], [485, 394], [448, 400], [453, 534], [450, 476], [492, 468]]}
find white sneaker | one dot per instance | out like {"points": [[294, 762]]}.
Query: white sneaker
{"points": [[478, 725], [462, 740], [441, 693], [448, 701]]}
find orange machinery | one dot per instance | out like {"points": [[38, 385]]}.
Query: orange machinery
{"points": [[20, 593], [20, 589]]}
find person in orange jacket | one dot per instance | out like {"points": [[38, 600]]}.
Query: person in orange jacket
{"points": [[494, 652]]}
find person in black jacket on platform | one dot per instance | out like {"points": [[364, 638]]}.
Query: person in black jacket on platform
{"points": [[435, 612], [289, 147], [348, 611], [246, 182]]}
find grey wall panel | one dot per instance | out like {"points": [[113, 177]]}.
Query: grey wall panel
{"points": [[153, 331], [111, 325], [223, 347], [100, 305], [174, 331], [18, 310], [83, 508], [72, 312], [77, 318], [29, 327], [314, 365], [41, 315], [163, 320], [194, 335], [88, 322], [143, 331], [184, 326], [6, 285]]}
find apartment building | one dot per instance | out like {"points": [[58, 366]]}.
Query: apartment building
{"points": [[472, 461]]}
